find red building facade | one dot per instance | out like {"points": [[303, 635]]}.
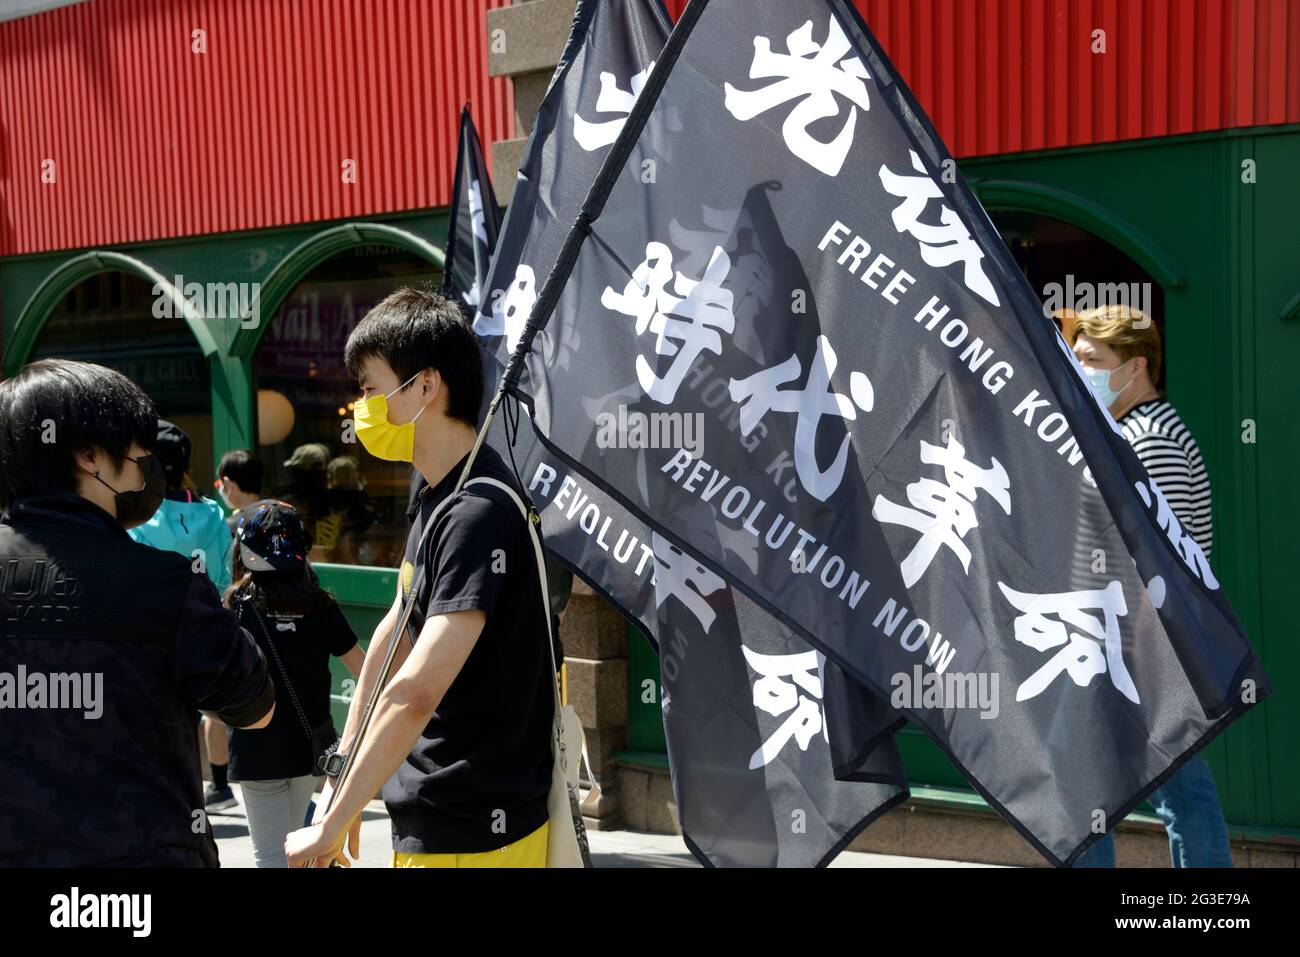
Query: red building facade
{"points": [[205, 116]]}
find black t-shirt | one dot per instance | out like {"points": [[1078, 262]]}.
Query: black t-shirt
{"points": [[283, 749], [479, 776]]}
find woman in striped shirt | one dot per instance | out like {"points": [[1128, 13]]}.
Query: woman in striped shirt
{"points": [[1120, 350]]}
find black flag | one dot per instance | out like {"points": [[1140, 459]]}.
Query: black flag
{"points": [[475, 220], [748, 724], [916, 459]]}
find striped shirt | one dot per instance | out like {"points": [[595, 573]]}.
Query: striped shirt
{"points": [[1169, 453]]}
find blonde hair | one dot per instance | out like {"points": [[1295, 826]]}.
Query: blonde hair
{"points": [[1126, 329]]}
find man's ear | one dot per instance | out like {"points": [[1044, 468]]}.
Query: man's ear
{"points": [[89, 460], [432, 381]]}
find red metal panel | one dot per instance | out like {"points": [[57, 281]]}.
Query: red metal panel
{"points": [[1184, 68], [1021, 74], [1245, 48], [1105, 126], [1279, 28], [1009, 134], [154, 141]]}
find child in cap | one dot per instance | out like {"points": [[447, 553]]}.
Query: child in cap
{"points": [[298, 626]]}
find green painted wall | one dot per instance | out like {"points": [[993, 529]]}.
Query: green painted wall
{"points": [[366, 594]]}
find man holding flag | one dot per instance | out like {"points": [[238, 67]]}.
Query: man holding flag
{"points": [[908, 465], [460, 737]]}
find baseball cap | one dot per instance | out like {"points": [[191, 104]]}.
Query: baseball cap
{"points": [[272, 538], [313, 456]]}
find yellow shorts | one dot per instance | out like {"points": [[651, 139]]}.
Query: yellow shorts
{"points": [[528, 851]]}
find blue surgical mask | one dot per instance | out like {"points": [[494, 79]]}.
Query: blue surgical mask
{"points": [[1099, 379]]}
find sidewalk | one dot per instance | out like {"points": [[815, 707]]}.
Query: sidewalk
{"points": [[608, 848]]}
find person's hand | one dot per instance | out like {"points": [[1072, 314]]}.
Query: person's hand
{"points": [[321, 844], [314, 846], [354, 832]]}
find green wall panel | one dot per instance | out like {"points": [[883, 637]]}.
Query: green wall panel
{"points": [[365, 595], [645, 726]]}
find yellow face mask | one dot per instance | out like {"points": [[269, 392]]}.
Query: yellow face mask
{"points": [[378, 436]]}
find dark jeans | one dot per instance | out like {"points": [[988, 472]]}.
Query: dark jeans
{"points": [[1188, 803]]}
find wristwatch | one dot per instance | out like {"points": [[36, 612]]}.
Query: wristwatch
{"points": [[331, 762]]}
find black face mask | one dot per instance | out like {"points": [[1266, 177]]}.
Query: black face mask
{"points": [[137, 507]]}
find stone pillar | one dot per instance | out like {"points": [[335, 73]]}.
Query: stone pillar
{"points": [[595, 657], [524, 43]]}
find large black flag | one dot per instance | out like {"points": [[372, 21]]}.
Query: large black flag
{"points": [[475, 220], [916, 460], [750, 725]]}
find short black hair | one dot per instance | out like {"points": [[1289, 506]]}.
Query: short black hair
{"points": [[417, 329], [55, 408], [173, 450], [243, 468]]}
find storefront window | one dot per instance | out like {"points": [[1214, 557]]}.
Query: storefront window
{"points": [[109, 319], [353, 503]]}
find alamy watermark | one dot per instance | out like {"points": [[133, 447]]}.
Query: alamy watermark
{"points": [[22, 690], [241, 301], [950, 691], [133, 912], [1082, 296], [653, 430]]}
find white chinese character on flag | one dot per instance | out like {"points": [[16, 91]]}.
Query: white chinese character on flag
{"points": [[788, 684], [813, 73], [511, 308], [679, 576], [943, 512], [1190, 552], [612, 99], [1077, 634], [760, 394], [941, 245], [685, 325]]}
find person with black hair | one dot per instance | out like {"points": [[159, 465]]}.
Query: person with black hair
{"points": [[193, 526], [185, 522], [299, 626], [109, 646], [239, 483], [460, 738]]}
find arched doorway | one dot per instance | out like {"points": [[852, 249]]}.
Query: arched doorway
{"points": [[1071, 268], [122, 320]]}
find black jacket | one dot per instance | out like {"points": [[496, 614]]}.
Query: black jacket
{"points": [[109, 777]]}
